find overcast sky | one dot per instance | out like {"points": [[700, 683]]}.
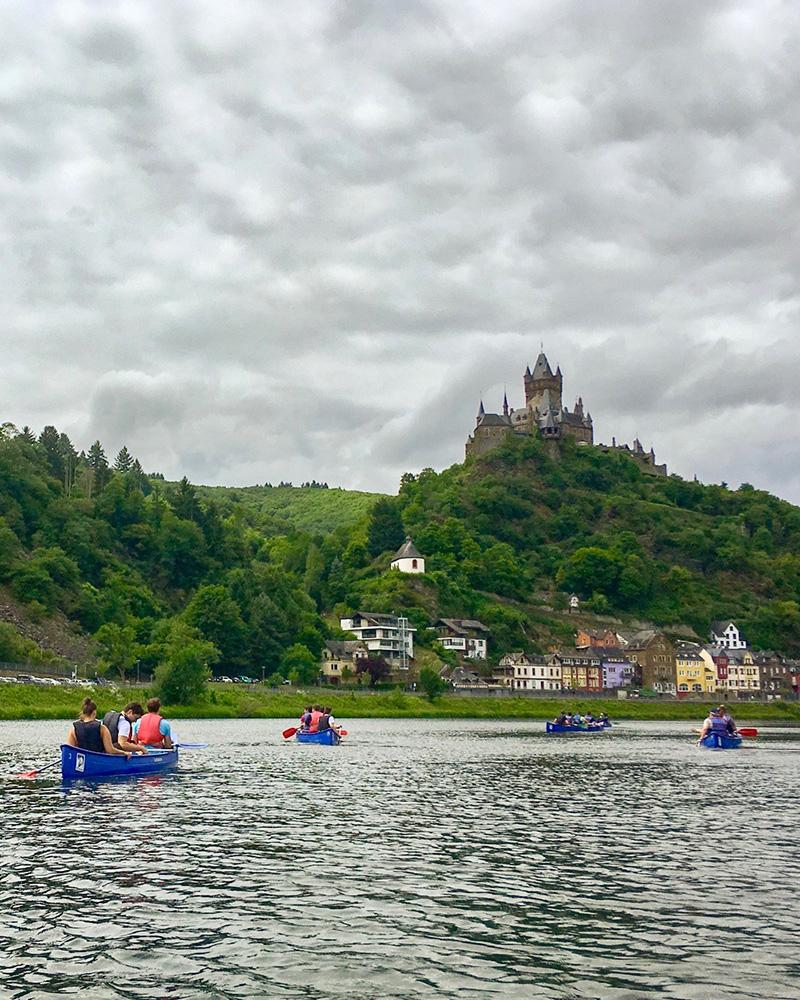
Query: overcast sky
{"points": [[300, 239]]}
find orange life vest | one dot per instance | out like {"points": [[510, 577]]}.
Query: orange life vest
{"points": [[149, 732], [315, 717]]}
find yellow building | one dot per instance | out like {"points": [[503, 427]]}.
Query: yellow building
{"points": [[695, 673], [340, 660], [743, 675]]}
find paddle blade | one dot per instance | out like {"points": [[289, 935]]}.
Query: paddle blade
{"points": [[192, 746], [32, 774], [748, 732], [288, 733], [343, 732]]}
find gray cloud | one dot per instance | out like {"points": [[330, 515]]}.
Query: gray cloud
{"points": [[260, 243]]}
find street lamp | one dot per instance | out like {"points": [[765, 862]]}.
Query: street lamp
{"points": [[137, 673]]}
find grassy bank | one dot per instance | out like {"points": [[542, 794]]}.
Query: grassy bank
{"points": [[28, 702]]}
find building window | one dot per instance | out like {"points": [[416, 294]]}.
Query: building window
{"points": [[413, 563]]}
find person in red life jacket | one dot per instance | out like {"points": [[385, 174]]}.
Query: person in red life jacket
{"points": [[316, 715], [151, 729], [305, 718], [89, 734]]}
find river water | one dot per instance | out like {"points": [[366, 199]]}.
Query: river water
{"points": [[419, 859]]}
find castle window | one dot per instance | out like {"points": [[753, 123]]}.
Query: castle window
{"points": [[413, 563]]}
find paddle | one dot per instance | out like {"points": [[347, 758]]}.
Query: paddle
{"points": [[289, 733], [751, 733], [191, 746], [32, 774]]}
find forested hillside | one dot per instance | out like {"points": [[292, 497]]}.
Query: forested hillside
{"points": [[256, 578], [312, 507]]}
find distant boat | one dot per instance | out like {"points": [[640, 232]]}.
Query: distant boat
{"points": [[329, 737], [720, 741], [554, 727], [77, 763]]}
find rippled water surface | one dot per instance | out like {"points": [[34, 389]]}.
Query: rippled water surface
{"points": [[418, 859]]}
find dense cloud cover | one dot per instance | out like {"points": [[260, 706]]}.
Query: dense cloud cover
{"points": [[295, 240]]}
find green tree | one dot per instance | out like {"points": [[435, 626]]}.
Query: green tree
{"points": [[98, 463], [300, 665], [216, 616], [385, 530], [185, 502], [124, 460], [183, 660], [118, 646], [431, 683], [591, 570]]}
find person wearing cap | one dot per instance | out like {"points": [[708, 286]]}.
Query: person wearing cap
{"points": [[714, 723]]}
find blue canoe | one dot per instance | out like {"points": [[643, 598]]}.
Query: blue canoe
{"points": [[328, 737], [720, 741], [554, 727], [77, 763]]}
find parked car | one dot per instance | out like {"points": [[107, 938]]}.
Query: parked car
{"points": [[7, 680], [26, 679]]}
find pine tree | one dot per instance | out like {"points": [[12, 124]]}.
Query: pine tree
{"points": [[49, 439], [124, 460], [184, 502], [385, 531], [98, 463], [69, 459]]}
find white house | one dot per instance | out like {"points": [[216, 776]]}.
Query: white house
{"points": [[727, 635], [383, 635], [522, 672], [408, 559], [466, 636]]}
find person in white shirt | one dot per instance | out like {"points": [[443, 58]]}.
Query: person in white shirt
{"points": [[120, 726]]}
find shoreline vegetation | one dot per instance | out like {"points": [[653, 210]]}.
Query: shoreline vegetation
{"points": [[22, 702]]}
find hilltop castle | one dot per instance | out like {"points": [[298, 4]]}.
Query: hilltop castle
{"points": [[545, 414]]}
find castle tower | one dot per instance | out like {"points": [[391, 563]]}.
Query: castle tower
{"points": [[540, 380]]}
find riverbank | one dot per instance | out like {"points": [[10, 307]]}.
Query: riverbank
{"points": [[235, 702]]}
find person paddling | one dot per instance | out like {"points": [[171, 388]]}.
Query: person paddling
{"points": [[715, 723], [316, 715], [151, 729], [120, 725], [332, 723], [723, 711], [89, 734]]}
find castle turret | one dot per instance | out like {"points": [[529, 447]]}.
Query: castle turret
{"points": [[540, 380]]}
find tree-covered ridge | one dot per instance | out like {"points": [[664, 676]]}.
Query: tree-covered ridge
{"points": [[312, 507], [195, 578], [150, 569], [519, 522]]}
